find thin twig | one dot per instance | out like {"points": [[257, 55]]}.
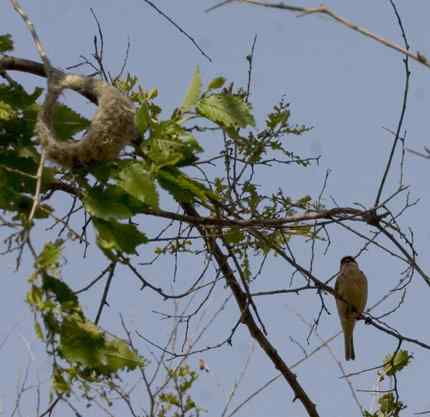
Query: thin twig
{"points": [[169, 19], [402, 112], [275, 378], [39, 46], [103, 301], [36, 197], [304, 11], [250, 59], [338, 362]]}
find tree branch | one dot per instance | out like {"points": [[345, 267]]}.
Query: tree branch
{"points": [[247, 318], [304, 11]]}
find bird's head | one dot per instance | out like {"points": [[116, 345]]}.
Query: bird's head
{"points": [[348, 263]]}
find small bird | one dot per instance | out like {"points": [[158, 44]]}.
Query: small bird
{"points": [[351, 285]]}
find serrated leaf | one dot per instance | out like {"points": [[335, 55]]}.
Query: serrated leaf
{"points": [[103, 171], [165, 152], [171, 145], [226, 110], [216, 83], [105, 204], [136, 181], [387, 403], [6, 43], [18, 168], [181, 187], [63, 293], [21, 205], [17, 186], [189, 148], [143, 118], [193, 92], [392, 365], [84, 343], [50, 256], [81, 342], [114, 236], [16, 96], [67, 122], [17, 172], [119, 356]]}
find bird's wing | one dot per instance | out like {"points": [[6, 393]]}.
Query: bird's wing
{"points": [[365, 292], [342, 307], [337, 284]]}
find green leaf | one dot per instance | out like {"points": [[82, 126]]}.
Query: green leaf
{"points": [[216, 83], [143, 118], [193, 92], [50, 256], [106, 204], [119, 356], [114, 236], [18, 130], [6, 43], [20, 204], [392, 365], [189, 148], [67, 122], [91, 353], [17, 172], [388, 405], [17, 97], [103, 171], [59, 383], [6, 111], [38, 330], [63, 293], [84, 343], [171, 145], [169, 398], [165, 152], [138, 182], [181, 187], [152, 93], [234, 235], [226, 110], [81, 342], [35, 297], [18, 168]]}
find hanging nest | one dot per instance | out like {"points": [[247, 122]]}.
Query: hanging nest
{"points": [[112, 126]]}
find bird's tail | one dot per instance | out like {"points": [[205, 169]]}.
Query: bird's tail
{"points": [[349, 346]]}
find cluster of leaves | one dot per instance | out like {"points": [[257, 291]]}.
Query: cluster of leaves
{"points": [[177, 401], [114, 193], [128, 187], [388, 407], [389, 403], [81, 350], [19, 157]]}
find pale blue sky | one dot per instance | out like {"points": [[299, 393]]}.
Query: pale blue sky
{"points": [[344, 85]]}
